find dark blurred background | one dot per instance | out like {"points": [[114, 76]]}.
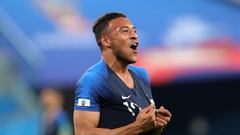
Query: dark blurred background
{"points": [[190, 49]]}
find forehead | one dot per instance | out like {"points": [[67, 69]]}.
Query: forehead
{"points": [[118, 22]]}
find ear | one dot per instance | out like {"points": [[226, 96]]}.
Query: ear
{"points": [[105, 41]]}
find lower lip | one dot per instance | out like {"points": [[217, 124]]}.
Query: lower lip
{"points": [[135, 51]]}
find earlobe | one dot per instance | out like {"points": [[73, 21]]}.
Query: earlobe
{"points": [[105, 41]]}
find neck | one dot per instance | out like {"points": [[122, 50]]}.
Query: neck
{"points": [[115, 64], [119, 67]]}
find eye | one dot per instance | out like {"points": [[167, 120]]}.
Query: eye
{"points": [[125, 30], [134, 30]]}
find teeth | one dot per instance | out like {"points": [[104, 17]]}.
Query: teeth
{"points": [[135, 44]]}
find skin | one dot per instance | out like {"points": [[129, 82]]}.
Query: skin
{"points": [[118, 54]]}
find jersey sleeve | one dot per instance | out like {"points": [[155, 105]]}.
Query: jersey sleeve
{"points": [[87, 93]]}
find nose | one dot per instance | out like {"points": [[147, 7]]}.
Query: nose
{"points": [[133, 34]]}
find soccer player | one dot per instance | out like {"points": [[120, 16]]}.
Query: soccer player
{"points": [[114, 97]]}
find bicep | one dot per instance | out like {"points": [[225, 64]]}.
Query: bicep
{"points": [[85, 120]]}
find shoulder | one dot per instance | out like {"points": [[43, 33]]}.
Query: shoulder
{"points": [[140, 72], [95, 75], [91, 88], [94, 81]]}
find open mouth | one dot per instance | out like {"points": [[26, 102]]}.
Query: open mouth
{"points": [[134, 46]]}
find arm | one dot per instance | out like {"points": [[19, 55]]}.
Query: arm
{"points": [[85, 123]]}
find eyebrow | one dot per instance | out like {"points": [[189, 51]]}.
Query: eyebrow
{"points": [[127, 27]]}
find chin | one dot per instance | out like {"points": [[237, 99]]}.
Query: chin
{"points": [[128, 60], [132, 61]]}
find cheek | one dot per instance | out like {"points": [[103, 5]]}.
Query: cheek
{"points": [[119, 39], [120, 42], [123, 46], [123, 42]]}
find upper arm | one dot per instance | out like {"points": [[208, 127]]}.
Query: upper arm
{"points": [[87, 104], [84, 121], [87, 95]]}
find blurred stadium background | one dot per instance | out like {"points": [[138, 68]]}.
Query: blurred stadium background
{"points": [[190, 48]]}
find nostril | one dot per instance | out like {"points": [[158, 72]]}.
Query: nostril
{"points": [[133, 36]]}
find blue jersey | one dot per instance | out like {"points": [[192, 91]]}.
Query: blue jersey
{"points": [[101, 90]]}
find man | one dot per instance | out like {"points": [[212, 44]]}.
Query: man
{"points": [[113, 97], [55, 120]]}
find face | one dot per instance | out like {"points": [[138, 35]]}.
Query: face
{"points": [[123, 40], [50, 99]]}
